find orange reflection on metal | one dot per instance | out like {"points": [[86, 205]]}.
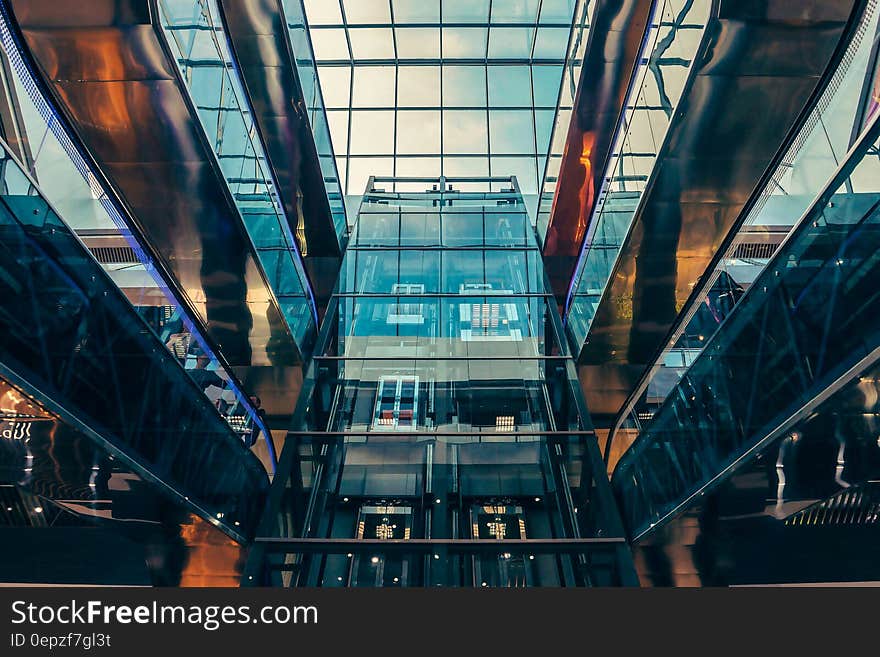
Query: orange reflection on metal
{"points": [[214, 558], [575, 193], [14, 403]]}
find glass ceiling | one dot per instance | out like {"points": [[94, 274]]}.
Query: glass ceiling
{"points": [[424, 88]]}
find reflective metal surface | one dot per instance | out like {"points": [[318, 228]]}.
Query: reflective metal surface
{"points": [[258, 36], [81, 351], [108, 71], [806, 509], [99, 521], [615, 38], [806, 329], [758, 60], [823, 139]]}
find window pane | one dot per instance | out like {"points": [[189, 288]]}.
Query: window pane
{"points": [[372, 133], [543, 128], [509, 86], [461, 268], [420, 267], [462, 229], [515, 11], [465, 131], [464, 43], [511, 131], [361, 168], [524, 168], [557, 11], [505, 228], [418, 86], [464, 86], [465, 167], [335, 85], [466, 11], [416, 11], [419, 229], [416, 167], [365, 11], [371, 43], [338, 122], [418, 42], [419, 167], [321, 12], [373, 86], [377, 229], [418, 131], [329, 44], [545, 81], [510, 42], [551, 43]]}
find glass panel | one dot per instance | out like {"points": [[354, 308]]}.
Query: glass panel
{"points": [[371, 42], [464, 86], [510, 42], [518, 11], [373, 86], [465, 11], [417, 42], [372, 132], [547, 40], [511, 131], [336, 81], [464, 42], [418, 86], [418, 131], [330, 44], [509, 86], [321, 12], [416, 11], [465, 132], [366, 11]]}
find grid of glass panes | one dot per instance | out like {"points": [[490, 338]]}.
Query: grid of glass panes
{"points": [[445, 287], [461, 88]]}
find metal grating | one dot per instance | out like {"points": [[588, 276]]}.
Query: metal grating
{"points": [[755, 250], [114, 255]]}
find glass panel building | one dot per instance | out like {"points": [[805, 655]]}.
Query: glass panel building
{"points": [[439, 293]]}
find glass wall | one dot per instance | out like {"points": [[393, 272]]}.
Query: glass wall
{"points": [[821, 145], [809, 324], [424, 88], [444, 412], [85, 349], [76, 194]]}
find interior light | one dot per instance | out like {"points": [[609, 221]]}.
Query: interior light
{"points": [[38, 509], [375, 560]]}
